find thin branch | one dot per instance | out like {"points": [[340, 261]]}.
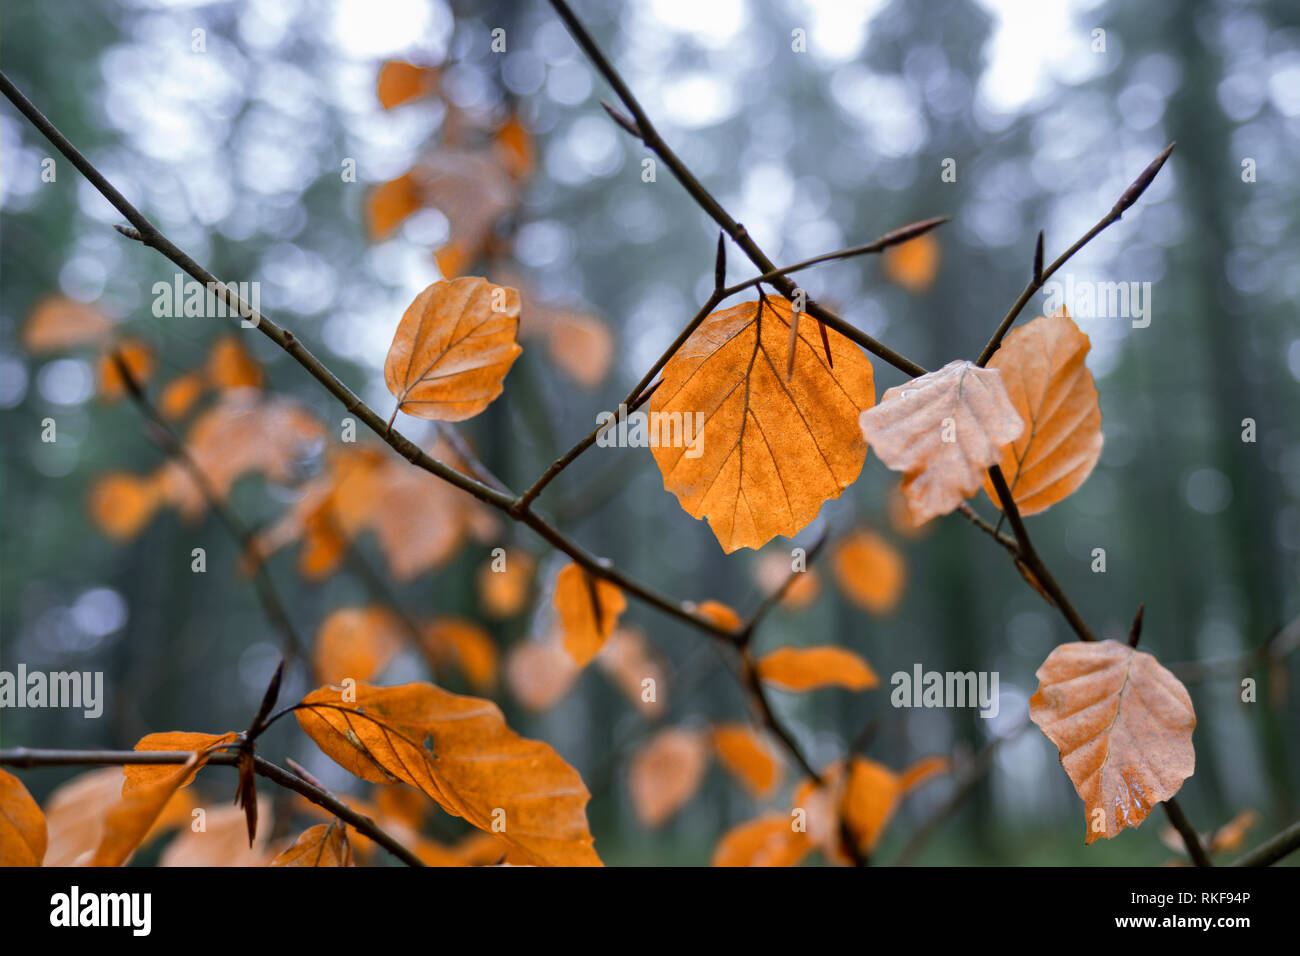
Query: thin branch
{"points": [[27, 757], [1191, 839], [640, 126], [149, 235], [971, 775], [969, 513], [635, 398], [1041, 275], [1035, 565], [174, 447], [893, 238], [1279, 645], [775, 597], [1269, 852]]}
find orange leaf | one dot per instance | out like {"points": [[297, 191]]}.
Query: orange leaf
{"points": [[720, 614], [401, 82], [139, 360], [771, 572], [230, 365], [473, 189], [1042, 365], [768, 452], [589, 608], [179, 395], [453, 348], [58, 322], [872, 793], [389, 203], [870, 571], [142, 775], [808, 668], [244, 432], [1232, 834], [121, 504], [942, 431], [1123, 726], [420, 522], [516, 147], [900, 518], [770, 840], [22, 824], [468, 645], [869, 799], [665, 773], [74, 818], [540, 673], [629, 661], [748, 757], [459, 751], [581, 346], [356, 642], [325, 844], [913, 264], [223, 842], [129, 822], [504, 592], [453, 259]]}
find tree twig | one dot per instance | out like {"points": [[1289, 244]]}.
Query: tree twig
{"points": [[1041, 275], [150, 235], [640, 126], [174, 447], [34, 757]]}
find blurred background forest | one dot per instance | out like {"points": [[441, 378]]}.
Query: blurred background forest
{"points": [[239, 152]]}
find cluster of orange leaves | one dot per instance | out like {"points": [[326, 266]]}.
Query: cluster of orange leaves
{"points": [[787, 421]]}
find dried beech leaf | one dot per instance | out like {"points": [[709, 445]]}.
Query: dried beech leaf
{"points": [[943, 430], [231, 366], [540, 673], [22, 824], [665, 773], [913, 264], [870, 571], [769, 451], [121, 504], [770, 840], [356, 642], [139, 359], [747, 756], [453, 348], [467, 645], [1042, 365], [401, 82], [58, 323], [808, 668], [504, 592], [459, 751], [589, 608], [325, 844], [1123, 726]]}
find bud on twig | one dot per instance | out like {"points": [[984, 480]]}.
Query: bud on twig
{"points": [[1143, 181], [910, 231], [1038, 260], [622, 119], [1135, 632]]}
